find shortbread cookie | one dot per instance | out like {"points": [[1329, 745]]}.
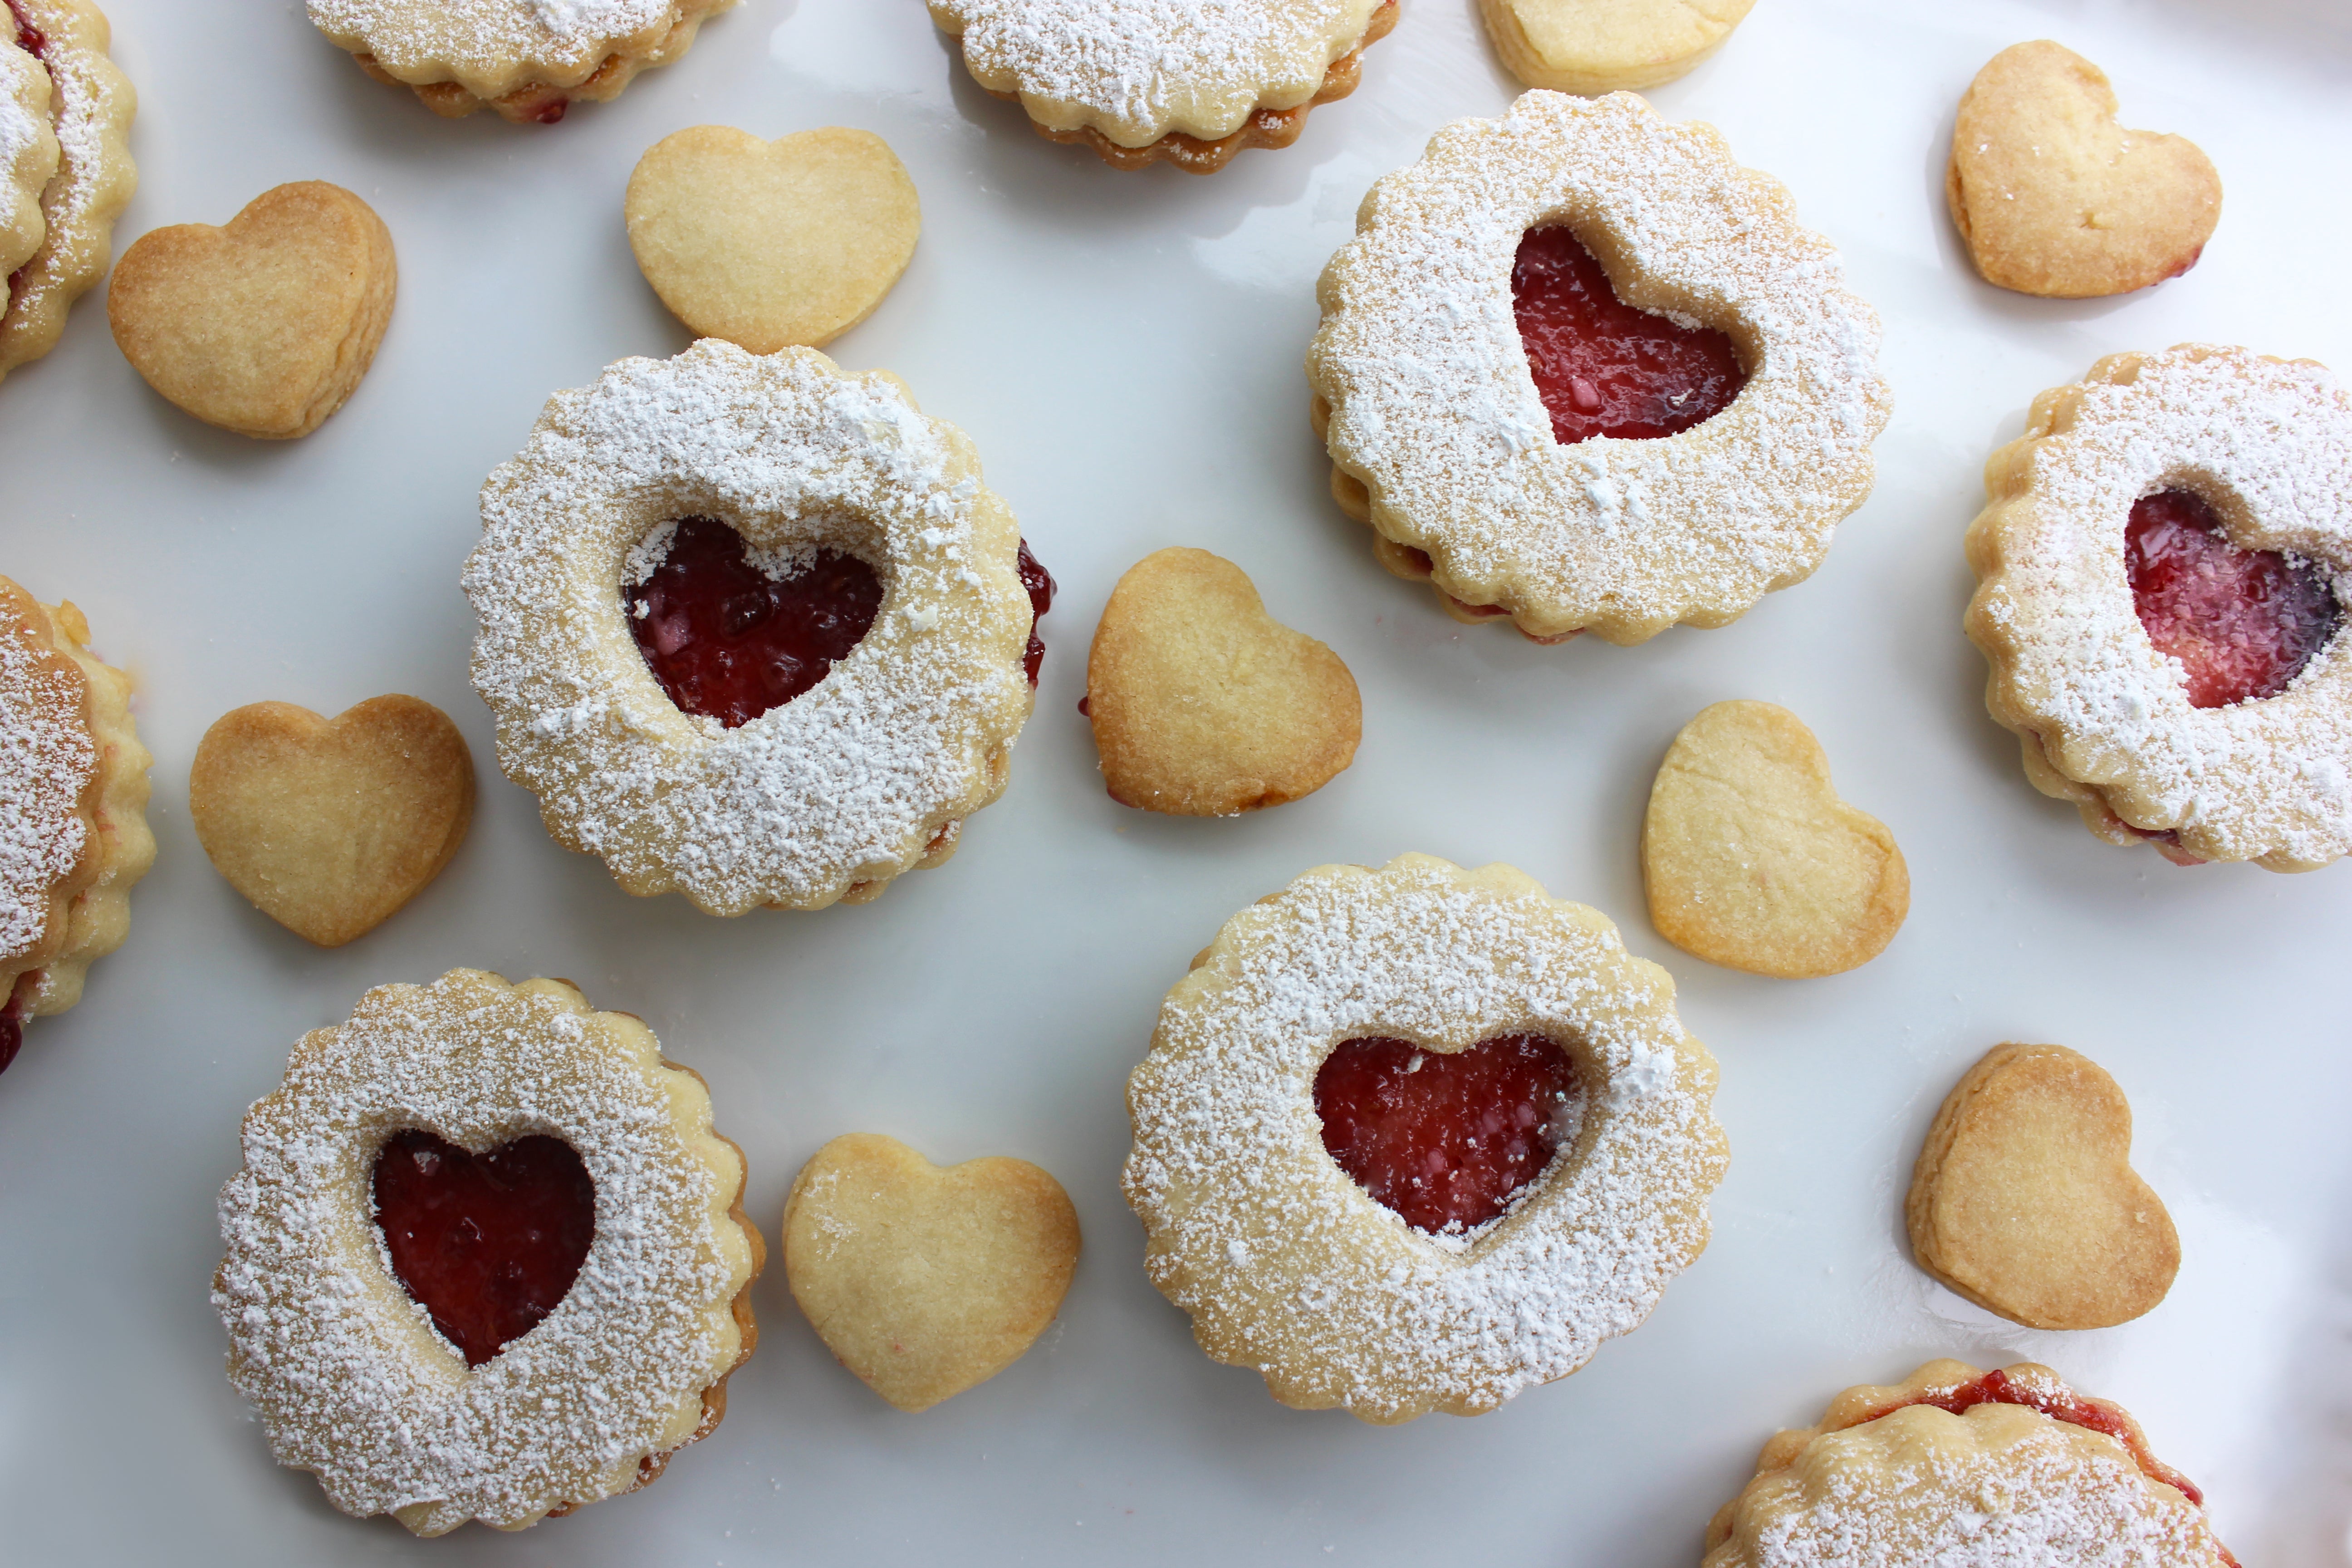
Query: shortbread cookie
{"points": [[1202, 704], [2161, 565], [1752, 861], [266, 326], [2024, 1200], [1187, 82], [1607, 45], [528, 59], [90, 106], [73, 802], [1965, 1469], [770, 244], [329, 826], [1419, 1138], [2054, 197], [29, 149], [486, 1258], [926, 1281], [753, 628], [1580, 369]]}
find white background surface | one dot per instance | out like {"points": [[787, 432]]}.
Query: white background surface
{"points": [[1125, 349]]}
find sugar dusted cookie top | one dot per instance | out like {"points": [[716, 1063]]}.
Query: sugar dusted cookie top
{"points": [[49, 771], [1136, 69], [490, 47]]}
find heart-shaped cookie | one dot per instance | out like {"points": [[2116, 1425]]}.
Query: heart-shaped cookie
{"points": [[1752, 859], [924, 1281], [2024, 1200], [266, 326], [2056, 198], [769, 243], [331, 826], [1202, 704], [1592, 46]]}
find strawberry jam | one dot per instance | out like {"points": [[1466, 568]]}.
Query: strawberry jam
{"points": [[1040, 584], [1446, 1140], [728, 639], [12, 1015], [2243, 623], [486, 1243], [1602, 367]]}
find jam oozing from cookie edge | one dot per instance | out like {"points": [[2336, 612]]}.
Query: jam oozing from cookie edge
{"points": [[1040, 585], [726, 641], [1446, 1140], [18, 1003], [2243, 622], [486, 1243], [1601, 366]]}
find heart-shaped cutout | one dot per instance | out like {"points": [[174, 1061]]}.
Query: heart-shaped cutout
{"points": [[2024, 1200], [2056, 198], [267, 325], [923, 1280], [2243, 622], [731, 633], [1752, 859], [1447, 1140], [1603, 367], [486, 1243], [1202, 704], [331, 826], [768, 244]]}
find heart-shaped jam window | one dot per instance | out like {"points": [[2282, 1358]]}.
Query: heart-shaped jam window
{"points": [[486, 1243], [2243, 622], [1603, 367], [1447, 1139]]}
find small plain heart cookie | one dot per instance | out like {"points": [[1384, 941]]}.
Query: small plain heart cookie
{"points": [[1202, 704], [1752, 859], [926, 1281], [771, 243], [266, 326], [1592, 46], [2056, 198], [2024, 1200], [330, 826]]}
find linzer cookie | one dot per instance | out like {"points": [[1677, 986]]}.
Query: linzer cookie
{"points": [[1145, 81], [2161, 565], [486, 1258], [28, 148], [1608, 46], [73, 799], [1965, 1469], [528, 59], [1580, 370], [1419, 1138], [753, 628], [90, 108]]}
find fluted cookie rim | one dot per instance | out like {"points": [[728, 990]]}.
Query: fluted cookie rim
{"points": [[330, 1348], [2103, 718], [1287, 1266], [33, 162], [1453, 458]]}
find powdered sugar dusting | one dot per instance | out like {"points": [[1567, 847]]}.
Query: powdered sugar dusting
{"points": [[47, 763], [491, 47], [1288, 1266], [1435, 409], [1136, 69], [849, 782], [2269, 445], [90, 106], [349, 1374]]}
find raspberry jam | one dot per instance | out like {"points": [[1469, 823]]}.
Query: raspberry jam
{"points": [[12, 1015], [486, 1243], [1602, 367], [1040, 584], [727, 639], [1446, 1140], [2243, 622]]}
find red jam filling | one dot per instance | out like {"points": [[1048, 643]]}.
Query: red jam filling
{"points": [[486, 1243], [1040, 584], [726, 639], [2243, 622], [12, 1015], [1446, 1140], [1602, 367]]}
